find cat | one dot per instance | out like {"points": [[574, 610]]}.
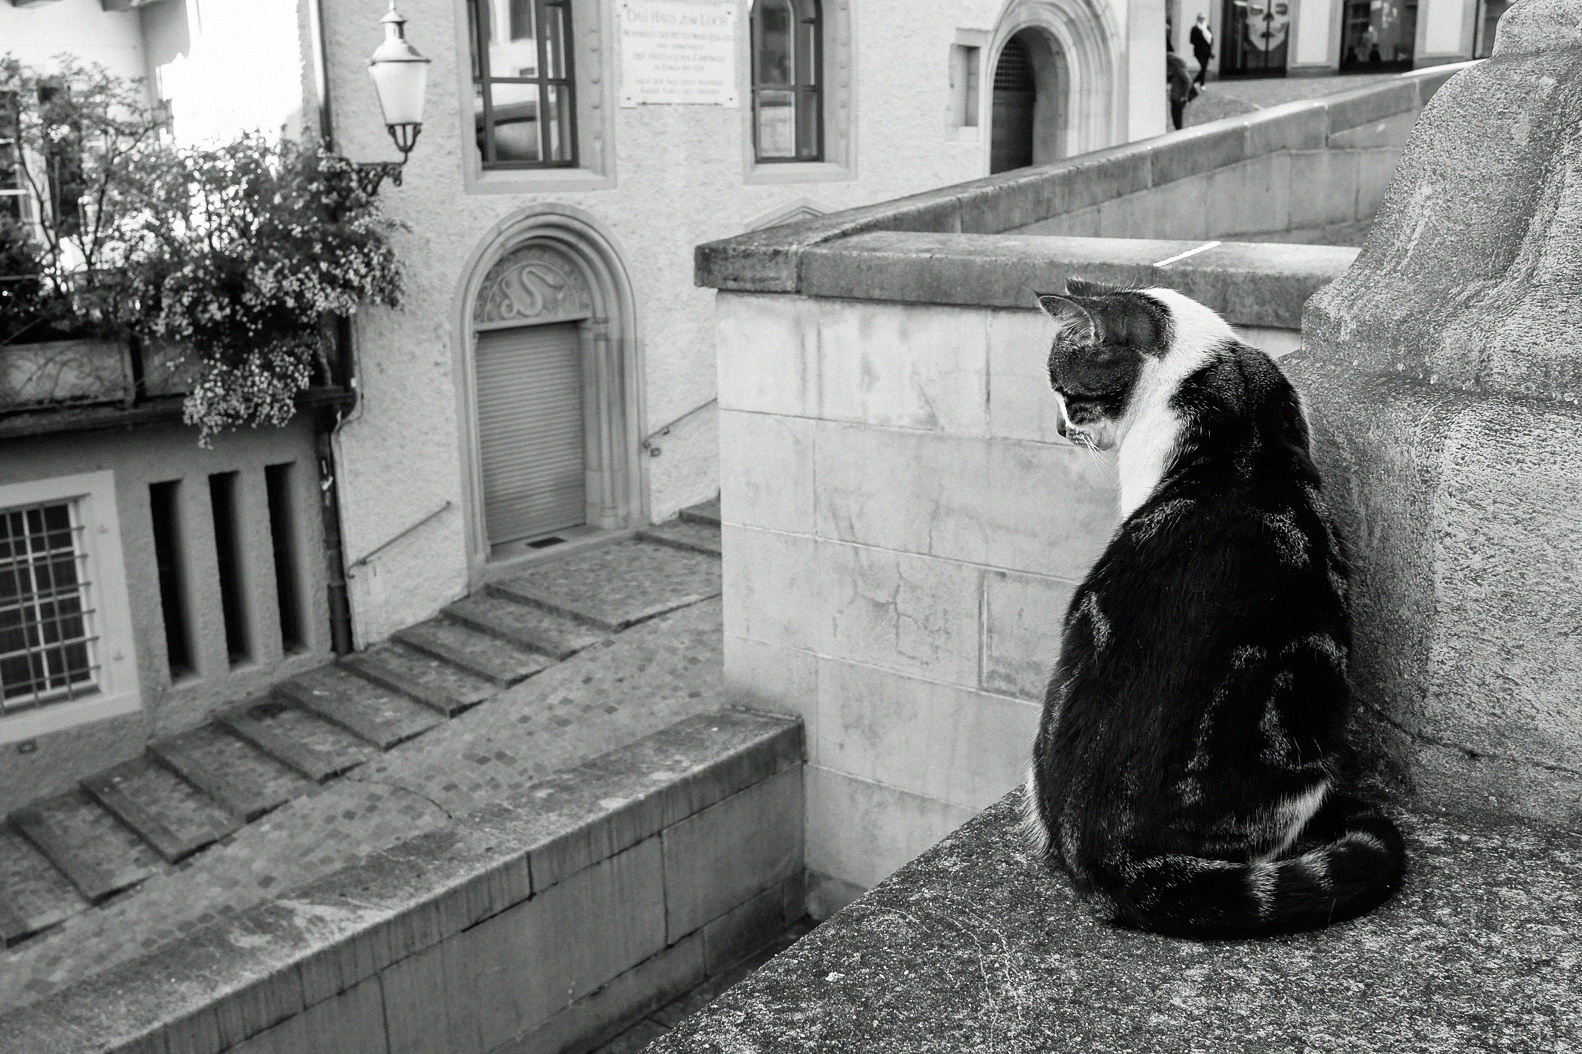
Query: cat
{"points": [[1190, 772]]}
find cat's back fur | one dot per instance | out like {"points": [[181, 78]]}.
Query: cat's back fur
{"points": [[1190, 767]]}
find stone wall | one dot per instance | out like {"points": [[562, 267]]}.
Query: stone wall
{"points": [[1444, 371], [49, 748]]}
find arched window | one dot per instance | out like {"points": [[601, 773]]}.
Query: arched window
{"points": [[788, 118]]}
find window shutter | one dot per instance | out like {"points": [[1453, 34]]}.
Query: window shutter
{"points": [[530, 430]]}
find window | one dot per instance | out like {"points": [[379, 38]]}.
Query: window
{"points": [[524, 105], [964, 66], [14, 197], [787, 61], [62, 159], [48, 647], [66, 652]]}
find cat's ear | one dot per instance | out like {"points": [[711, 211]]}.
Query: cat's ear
{"points": [[1082, 287], [1074, 319]]}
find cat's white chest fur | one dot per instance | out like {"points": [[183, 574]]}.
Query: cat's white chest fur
{"points": [[1151, 429]]}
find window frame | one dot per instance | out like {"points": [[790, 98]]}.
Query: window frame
{"points": [[11, 138], [118, 690], [806, 83], [478, 14], [55, 613]]}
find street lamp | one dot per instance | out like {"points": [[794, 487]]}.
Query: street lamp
{"points": [[400, 77]]}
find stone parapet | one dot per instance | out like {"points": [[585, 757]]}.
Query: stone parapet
{"points": [[974, 947], [1161, 184]]}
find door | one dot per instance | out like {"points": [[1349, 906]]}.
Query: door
{"points": [[530, 431], [1011, 142]]}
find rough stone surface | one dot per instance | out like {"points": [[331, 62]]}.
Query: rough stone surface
{"points": [[973, 947], [1443, 375], [1470, 275]]}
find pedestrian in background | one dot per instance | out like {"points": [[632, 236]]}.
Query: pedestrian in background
{"points": [[1180, 86], [1202, 48]]}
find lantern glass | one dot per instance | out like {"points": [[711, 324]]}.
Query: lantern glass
{"points": [[401, 86]]}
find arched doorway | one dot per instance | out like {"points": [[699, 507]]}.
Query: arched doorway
{"points": [[1032, 103], [549, 388], [1011, 144], [1068, 49]]}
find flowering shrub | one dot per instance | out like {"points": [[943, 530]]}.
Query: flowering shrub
{"points": [[244, 252]]}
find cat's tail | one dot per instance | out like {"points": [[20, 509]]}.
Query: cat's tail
{"points": [[1358, 866]]}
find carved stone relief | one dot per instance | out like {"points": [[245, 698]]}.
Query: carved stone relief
{"points": [[532, 284]]}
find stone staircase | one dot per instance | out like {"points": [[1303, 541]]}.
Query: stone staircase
{"points": [[70, 853]]}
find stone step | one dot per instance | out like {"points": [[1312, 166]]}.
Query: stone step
{"points": [[703, 512], [308, 744], [234, 773], [369, 711], [527, 625], [618, 585], [94, 850], [167, 812], [686, 534], [447, 688], [474, 651], [386, 676], [36, 895]]}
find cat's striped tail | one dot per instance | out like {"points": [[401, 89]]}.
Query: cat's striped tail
{"points": [[1360, 865]]}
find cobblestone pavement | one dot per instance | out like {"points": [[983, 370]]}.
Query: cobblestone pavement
{"points": [[615, 692]]}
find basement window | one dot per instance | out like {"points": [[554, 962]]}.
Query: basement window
{"points": [[66, 649], [48, 644]]}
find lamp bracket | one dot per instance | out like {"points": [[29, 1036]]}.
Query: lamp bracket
{"points": [[370, 174]]}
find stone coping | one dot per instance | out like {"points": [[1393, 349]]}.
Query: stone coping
{"points": [[241, 975], [774, 260], [1250, 284], [973, 947]]}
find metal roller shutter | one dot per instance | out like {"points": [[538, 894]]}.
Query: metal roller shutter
{"points": [[530, 430]]}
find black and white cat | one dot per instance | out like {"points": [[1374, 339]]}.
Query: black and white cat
{"points": [[1189, 773]]}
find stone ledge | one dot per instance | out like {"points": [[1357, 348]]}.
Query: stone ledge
{"points": [[1253, 285], [250, 972], [974, 947]]}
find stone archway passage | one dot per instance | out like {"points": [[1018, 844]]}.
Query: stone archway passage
{"points": [[1067, 50], [1032, 88], [1015, 95]]}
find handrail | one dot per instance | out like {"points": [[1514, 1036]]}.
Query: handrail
{"points": [[387, 543], [647, 444]]}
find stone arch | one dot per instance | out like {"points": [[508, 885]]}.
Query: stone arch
{"points": [[545, 265], [1072, 46]]}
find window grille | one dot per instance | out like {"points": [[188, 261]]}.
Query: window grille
{"points": [[524, 97], [787, 56], [48, 647]]}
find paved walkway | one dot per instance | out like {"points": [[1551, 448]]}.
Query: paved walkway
{"points": [[1227, 98]]}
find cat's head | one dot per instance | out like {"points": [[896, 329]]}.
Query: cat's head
{"points": [[1103, 339]]}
